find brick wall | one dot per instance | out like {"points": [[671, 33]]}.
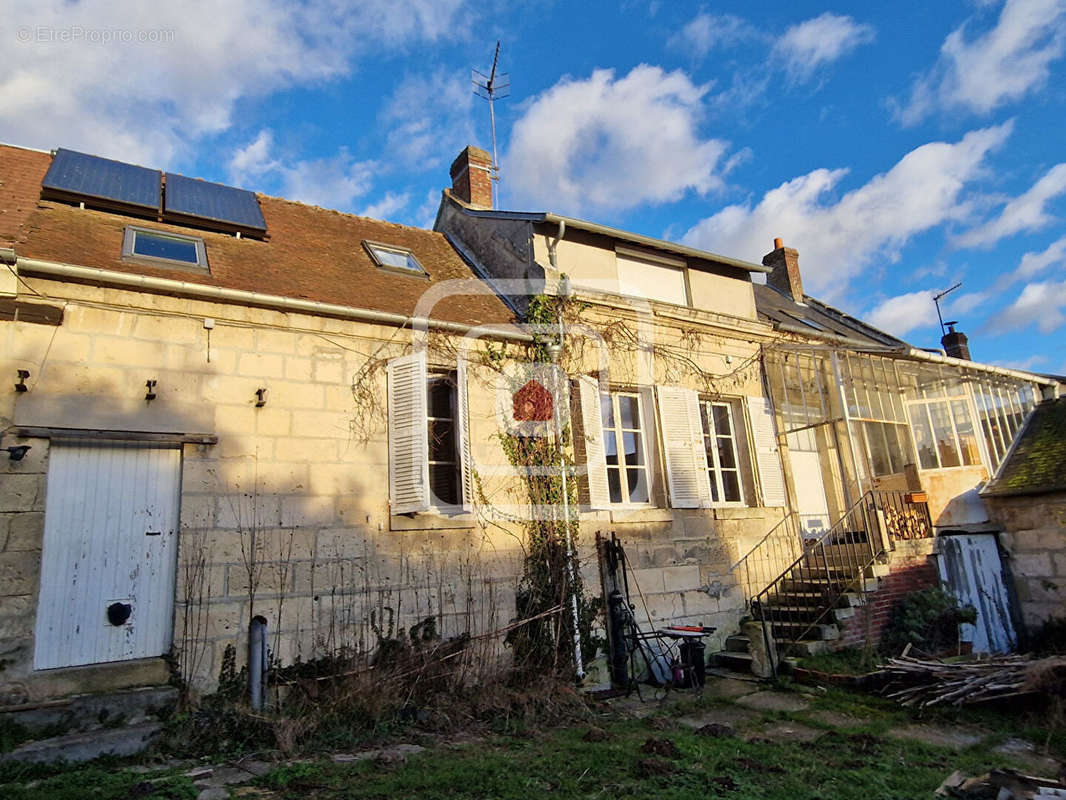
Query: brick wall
{"points": [[912, 568]]}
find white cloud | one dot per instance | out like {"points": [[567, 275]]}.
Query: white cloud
{"points": [[805, 47], [150, 101], [706, 32], [602, 142], [1042, 302], [334, 182], [1000, 66], [1032, 263], [1023, 213], [429, 117], [967, 302], [1029, 364], [386, 206], [839, 238], [903, 313]]}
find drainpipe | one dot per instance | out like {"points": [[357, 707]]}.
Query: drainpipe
{"points": [[257, 662], [556, 351], [555, 243]]}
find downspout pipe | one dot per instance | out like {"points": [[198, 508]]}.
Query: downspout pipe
{"points": [[555, 243], [201, 291], [257, 662]]}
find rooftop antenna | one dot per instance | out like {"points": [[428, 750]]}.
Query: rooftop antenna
{"points": [[492, 87], [936, 299]]}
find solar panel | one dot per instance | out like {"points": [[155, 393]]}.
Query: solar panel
{"points": [[203, 201], [77, 176]]}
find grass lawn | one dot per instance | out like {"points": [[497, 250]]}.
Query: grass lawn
{"points": [[852, 757]]}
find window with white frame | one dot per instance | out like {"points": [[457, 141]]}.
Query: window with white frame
{"points": [[625, 448], [943, 433], [720, 445], [429, 442], [152, 247]]}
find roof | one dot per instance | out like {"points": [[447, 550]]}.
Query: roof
{"points": [[537, 217], [1036, 464], [310, 253], [815, 318]]}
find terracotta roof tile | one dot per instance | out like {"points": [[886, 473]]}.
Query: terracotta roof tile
{"points": [[311, 253]]}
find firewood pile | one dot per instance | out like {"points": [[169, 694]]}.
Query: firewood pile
{"points": [[929, 682], [907, 523], [1001, 784]]}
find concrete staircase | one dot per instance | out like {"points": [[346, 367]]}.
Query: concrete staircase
{"points": [[84, 727], [806, 607]]}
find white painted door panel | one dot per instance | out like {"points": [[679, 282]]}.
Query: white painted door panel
{"points": [[811, 504], [110, 536]]}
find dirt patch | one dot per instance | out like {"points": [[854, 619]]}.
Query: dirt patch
{"points": [[753, 765], [660, 747], [596, 735], [729, 687], [736, 717], [953, 738], [779, 732], [773, 701]]}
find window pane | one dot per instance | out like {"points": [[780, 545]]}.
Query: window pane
{"points": [[444, 483], [440, 397], [705, 409], [967, 439], [441, 440], [879, 457], [727, 458], [607, 410], [614, 485], [721, 420], [627, 410], [638, 485], [148, 244], [634, 451], [731, 486], [923, 437], [713, 475], [610, 447], [944, 435]]}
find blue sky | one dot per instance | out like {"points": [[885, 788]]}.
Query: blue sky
{"points": [[899, 147]]}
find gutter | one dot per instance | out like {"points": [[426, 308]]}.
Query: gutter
{"points": [[936, 358], [54, 269]]}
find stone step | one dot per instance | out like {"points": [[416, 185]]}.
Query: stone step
{"points": [[737, 643], [741, 662], [802, 648], [92, 711], [87, 745], [793, 584], [820, 632]]}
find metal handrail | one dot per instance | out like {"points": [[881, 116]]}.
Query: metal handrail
{"points": [[778, 545], [816, 560]]}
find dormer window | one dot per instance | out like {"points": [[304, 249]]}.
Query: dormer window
{"points": [[391, 257], [151, 247]]}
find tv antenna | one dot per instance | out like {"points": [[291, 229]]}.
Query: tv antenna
{"points": [[936, 299], [492, 87]]}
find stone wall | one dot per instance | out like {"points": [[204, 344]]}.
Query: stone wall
{"points": [[287, 515], [1035, 539]]}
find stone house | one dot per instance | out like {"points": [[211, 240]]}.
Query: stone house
{"points": [[226, 408], [861, 422], [1026, 499]]}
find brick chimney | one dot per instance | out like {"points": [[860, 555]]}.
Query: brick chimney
{"points": [[955, 342], [472, 177], [785, 277]]}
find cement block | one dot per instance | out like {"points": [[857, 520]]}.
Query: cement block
{"points": [[679, 579], [19, 573], [25, 531], [261, 365], [20, 492]]}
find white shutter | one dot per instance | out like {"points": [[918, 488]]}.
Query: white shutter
{"points": [[771, 477], [686, 458], [595, 457], [408, 434], [466, 461]]}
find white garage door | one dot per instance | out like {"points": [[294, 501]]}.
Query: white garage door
{"points": [[110, 550]]}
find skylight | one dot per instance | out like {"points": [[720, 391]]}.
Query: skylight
{"points": [[392, 257], [148, 246]]}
